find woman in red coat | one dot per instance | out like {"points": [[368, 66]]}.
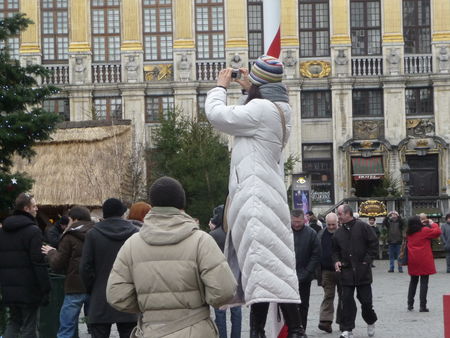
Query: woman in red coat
{"points": [[420, 258]]}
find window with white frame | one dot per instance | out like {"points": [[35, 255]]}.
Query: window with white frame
{"points": [[9, 8], [157, 29], [365, 21], [417, 26], [157, 108], [210, 29], [105, 30], [107, 108], [255, 28], [55, 32], [58, 106], [314, 24]]}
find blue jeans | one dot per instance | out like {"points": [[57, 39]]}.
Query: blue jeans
{"points": [[70, 311], [221, 322], [394, 251]]}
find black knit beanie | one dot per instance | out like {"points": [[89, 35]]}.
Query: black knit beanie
{"points": [[167, 192], [113, 207], [217, 218]]}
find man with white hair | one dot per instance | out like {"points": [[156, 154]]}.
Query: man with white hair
{"points": [[328, 275]]}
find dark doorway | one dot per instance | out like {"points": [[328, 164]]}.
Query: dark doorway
{"points": [[424, 176]]}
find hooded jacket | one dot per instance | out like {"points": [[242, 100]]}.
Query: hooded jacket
{"points": [[420, 253], [23, 272], [260, 244], [101, 246], [67, 258], [445, 228], [171, 272]]}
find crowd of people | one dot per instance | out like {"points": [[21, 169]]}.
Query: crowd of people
{"points": [[156, 274]]}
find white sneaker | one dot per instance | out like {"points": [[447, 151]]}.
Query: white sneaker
{"points": [[346, 334], [371, 330]]}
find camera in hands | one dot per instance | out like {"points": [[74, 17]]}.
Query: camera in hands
{"points": [[236, 74]]}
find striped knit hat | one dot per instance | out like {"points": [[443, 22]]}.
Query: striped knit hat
{"points": [[266, 69]]}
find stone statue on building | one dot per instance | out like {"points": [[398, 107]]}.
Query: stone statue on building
{"points": [[394, 61], [132, 69], [443, 59], [79, 70], [236, 62], [341, 62], [184, 68], [289, 60]]}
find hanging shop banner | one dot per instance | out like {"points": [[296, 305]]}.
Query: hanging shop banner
{"points": [[301, 192]]}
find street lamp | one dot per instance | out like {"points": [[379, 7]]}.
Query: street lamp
{"points": [[405, 170]]}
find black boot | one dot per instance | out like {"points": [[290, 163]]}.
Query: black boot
{"points": [[293, 320], [258, 316]]}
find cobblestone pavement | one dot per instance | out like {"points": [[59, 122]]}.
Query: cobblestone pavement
{"points": [[389, 296]]}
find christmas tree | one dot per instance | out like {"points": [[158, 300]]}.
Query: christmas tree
{"points": [[22, 120]]}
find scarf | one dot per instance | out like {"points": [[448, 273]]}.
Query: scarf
{"points": [[275, 92]]}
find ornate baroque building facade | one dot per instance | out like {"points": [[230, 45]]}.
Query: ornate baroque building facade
{"points": [[369, 80]]}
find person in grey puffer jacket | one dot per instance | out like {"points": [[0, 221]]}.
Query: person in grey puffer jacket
{"points": [[445, 228], [394, 225]]}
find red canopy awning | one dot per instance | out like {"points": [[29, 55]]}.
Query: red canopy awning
{"points": [[370, 168]]}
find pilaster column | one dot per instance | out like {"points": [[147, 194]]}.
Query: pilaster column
{"points": [[186, 99], [341, 94], [80, 70], [340, 42], [392, 37], [184, 40], [80, 101], [440, 12], [289, 38], [30, 44], [132, 49], [236, 46], [394, 110], [133, 100]]}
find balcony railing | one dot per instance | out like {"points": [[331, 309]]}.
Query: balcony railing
{"points": [[59, 74], [418, 64], [208, 70], [106, 73], [367, 66]]}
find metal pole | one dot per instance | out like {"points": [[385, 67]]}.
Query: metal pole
{"points": [[406, 208]]}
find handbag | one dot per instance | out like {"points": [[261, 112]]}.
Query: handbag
{"points": [[403, 256]]}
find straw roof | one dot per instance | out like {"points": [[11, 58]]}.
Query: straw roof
{"points": [[83, 164]]}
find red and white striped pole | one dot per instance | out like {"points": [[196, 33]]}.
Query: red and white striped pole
{"points": [[272, 18]]}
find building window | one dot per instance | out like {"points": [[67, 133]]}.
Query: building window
{"points": [[316, 104], [368, 102], [157, 29], [157, 108], [108, 108], [416, 26], [210, 31], [58, 106], [9, 8], [106, 30], [318, 162], [201, 99], [255, 29], [365, 27], [314, 25], [55, 32], [419, 101]]}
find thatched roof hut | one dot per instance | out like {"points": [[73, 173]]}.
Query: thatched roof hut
{"points": [[83, 164]]}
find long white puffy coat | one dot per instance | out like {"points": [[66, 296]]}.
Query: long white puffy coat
{"points": [[259, 241]]}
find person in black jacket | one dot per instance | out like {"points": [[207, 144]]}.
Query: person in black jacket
{"points": [[217, 232], [100, 249], [53, 235], [307, 257], [354, 246], [23, 273]]}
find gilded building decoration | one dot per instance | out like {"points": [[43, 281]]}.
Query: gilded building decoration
{"points": [[368, 129], [315, 69], [372, 208], [420, 127], [158, 72]]}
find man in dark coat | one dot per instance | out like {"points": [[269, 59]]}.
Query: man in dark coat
{"points": [[354, 246], [23, 272], [307, 257], [395, 227], [67, 260], [53, 235], [100, 249]]}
